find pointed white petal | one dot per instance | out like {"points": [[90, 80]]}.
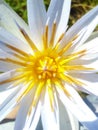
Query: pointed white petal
{"points": [[93, 35], [63, 14], [86, 62], [4, 49], [7, 86], [35, 116], [88, 22], [4, 94], [88, 31], [22, 113], [76, 105], [7, 75], [6, 66], [8, 19], [49, 117], [51, 7], [30, 115], [12, 100], [8, 53], [10, 39], [11, 22], [36, 19], [73, 121], [91, 48], [90, 58], [67, 119], [94, 65], [8, 104], [58, 12], [90, 81]]}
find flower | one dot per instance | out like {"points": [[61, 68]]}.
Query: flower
{"points": [[46, 63]]}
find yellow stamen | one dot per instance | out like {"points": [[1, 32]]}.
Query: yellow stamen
{"points": [[13, 61], [12, 79], [67, 46], [17, 50], [36, 96], [53, 34], [45, 37], [37, 93], [59, 84], [72, 56], [76, 67], [27, 90], [51, 94], [19, 81], [19, 56], [70, 80], [61, 37], [30, 42]]}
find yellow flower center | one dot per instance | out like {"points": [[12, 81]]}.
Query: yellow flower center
{"points": [[46, 68], [42, 65]]}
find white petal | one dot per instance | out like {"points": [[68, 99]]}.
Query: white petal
{"points": [[11, 22], [12, 100], [6, 66], [4, 49], [73, 121], [90, 58], [51, 8], [67, 119], [58, 12], [63, 18], [91, 48], [22, 113], [8, 104], [87, 22], [94, 65], [30, 115], [33, 118], [48, 116], [87, 62], [6, 53], [77, 106], [90, 81], [12, 40], [36, 116], [93, 35], [4, 95], [88, 31], [36, 19], [8, 19], [7, 75], [33, 115], [7, 86]]}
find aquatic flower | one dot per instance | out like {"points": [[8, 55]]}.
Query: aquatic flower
{"points": [[46, 62]]}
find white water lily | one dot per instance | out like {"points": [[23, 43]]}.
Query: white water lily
{"points": [[46, 62]]}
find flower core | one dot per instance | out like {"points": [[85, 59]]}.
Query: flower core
{"points": [[43, 65], [46, 68]]}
